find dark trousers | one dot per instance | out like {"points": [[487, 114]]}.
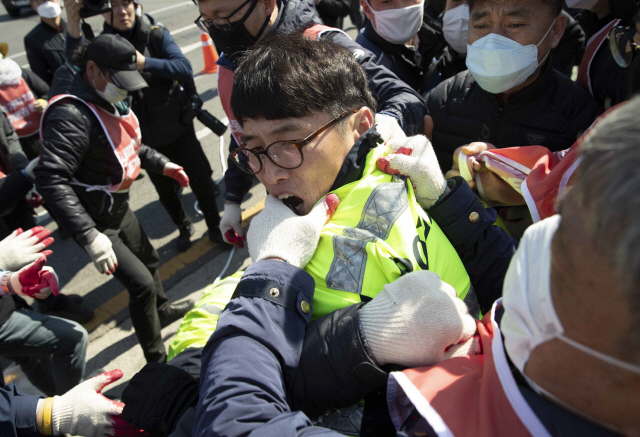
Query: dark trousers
{"points": [[186, 151], [137, 270], [51, 351]]}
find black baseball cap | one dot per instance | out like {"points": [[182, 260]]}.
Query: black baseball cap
{"points": [[118, 56]]}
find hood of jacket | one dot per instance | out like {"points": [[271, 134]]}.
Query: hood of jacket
{"points": [[68, 80]]}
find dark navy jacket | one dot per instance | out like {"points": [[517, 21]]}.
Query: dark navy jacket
{"points": [[17, 412]]}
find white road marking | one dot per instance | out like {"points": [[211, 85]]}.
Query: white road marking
{"points": [[168, 8], [17, 55], [183, 29], [191, 47]]}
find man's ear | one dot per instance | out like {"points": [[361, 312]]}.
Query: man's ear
{"points": [[366, 9], [558, 30], [270, 6], [362, 122]]}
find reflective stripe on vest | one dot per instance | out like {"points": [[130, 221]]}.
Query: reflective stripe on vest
{"points": [[18, 103], [199, 323], [474, 396], [377, 234], [123, 129], [593, 45]]}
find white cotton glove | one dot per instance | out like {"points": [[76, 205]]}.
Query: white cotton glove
{"points": [[414, 158], [22, 248], [102, 255], [230, 224], [278, 232], [388, 128], [84, 411], [417, 321]]}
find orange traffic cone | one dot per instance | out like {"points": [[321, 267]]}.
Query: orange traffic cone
{"points": [[210, 54]]}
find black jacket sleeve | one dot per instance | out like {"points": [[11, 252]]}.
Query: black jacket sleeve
{"points": [[38, 65], [13, 189], [334, 8], [485, 250], [151, 159], [334, 369], [66, 141], [394, 97], [11, 142], [38, 87]]}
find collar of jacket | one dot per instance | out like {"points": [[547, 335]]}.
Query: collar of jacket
{"points": [[355, 162], [531, 93]]}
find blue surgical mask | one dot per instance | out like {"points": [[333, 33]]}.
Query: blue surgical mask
{"points": [[498, 63]]}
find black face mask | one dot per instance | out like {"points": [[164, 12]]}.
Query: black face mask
{"points": [[235, 41]]}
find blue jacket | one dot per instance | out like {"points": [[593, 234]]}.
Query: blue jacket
{"points": [[253, 356], [17, 412]]}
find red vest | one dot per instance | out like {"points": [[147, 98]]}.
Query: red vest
{"points": [[473, 396], [225, 81], [123, 133], [19, 104], [593, 45]]}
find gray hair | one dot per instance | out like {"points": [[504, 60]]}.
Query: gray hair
{"points": [[608, 188]]}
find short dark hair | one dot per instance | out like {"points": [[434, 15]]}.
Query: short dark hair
{"points": [[555, 5], [289, 75]]}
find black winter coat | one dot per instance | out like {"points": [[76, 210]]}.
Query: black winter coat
{"points": [[75, 146], [553, 112]]}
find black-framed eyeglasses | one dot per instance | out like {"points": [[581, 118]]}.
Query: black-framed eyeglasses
{"points": [[284, 154], [220, 23], [622, 46]]}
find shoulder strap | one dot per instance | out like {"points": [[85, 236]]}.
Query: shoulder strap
{"points": [[154, 41]]}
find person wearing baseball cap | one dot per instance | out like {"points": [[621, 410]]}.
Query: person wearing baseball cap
{"points": [[162, 108], [91, 153]]}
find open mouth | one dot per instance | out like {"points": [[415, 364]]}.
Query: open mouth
{"points": [[293, 202]]}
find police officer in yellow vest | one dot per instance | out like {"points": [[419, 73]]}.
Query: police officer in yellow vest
{"points": [[91, 154]]}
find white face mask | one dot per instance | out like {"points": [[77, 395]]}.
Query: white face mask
{"points": [[530, 318], [455, 26], [498, 63], [581, 4], [111, 93], [49, 10], [398, 25]]}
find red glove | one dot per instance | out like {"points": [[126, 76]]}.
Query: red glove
{"points": [[35, 280], [176, 172], [34, 199], [234, 238]]}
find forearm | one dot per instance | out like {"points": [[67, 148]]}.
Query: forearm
{"points": [[173, 65], [152, 160], [17, 413]]}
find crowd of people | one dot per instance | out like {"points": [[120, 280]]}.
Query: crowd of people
{"points": [[449, 243]]}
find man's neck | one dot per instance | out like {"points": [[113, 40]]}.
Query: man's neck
{"points": [[52, 22]]}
